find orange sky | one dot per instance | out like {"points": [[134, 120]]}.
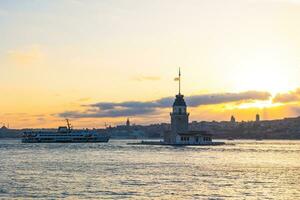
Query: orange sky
{"points": [[59, 59]]}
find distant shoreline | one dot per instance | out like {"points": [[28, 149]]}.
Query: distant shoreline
{"points": [[250, 139]]}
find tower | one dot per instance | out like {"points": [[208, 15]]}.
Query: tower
{"points": [[257, 118], [232, 119], [127, 122], [179, 115]]}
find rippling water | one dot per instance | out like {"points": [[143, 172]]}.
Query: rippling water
{"points": [[245, 170]]}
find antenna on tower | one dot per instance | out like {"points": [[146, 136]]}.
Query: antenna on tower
{"points": [[179, 77]]}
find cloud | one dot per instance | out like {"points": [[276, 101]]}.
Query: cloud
{"points": [[146, 78], [209, 99], [291, 96], [108, 113], [84, 99], [133, 108], [26, 56]]}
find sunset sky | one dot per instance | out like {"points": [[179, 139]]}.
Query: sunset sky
{"points": [[99, 62]]}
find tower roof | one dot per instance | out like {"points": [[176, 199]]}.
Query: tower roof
{"points": [[179, 101]]}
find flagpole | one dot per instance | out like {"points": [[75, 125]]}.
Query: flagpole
{"points": [[179, 81]]}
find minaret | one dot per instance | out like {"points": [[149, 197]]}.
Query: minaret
{"points": [[179, 115], [232, 119], [257, 118], [128, 122]]}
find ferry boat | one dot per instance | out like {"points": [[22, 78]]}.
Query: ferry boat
{"points": [[64, 134]]}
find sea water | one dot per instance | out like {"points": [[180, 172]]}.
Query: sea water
{"points": [[239, 170]]}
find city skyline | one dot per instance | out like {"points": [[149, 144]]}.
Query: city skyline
{"points": [[105, 61]]}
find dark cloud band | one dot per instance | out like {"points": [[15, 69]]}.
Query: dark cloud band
{"points": [[133, 108], [292, 96]]}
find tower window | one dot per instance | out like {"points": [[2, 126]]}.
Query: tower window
{"points": [[179, 110]]}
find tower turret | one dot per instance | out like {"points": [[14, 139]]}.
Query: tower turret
{"points": [[179, 115]]}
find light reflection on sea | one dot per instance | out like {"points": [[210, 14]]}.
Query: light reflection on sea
{"points": [[246, 170]]}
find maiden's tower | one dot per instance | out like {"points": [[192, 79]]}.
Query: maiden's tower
{"points": [[180, 133]]}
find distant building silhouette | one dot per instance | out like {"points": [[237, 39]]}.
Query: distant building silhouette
{"points": [[127, 122], [257, 118], [4, 127], [232, 119]]}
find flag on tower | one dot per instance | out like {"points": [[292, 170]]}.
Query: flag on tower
{"points": [[178, 78]]}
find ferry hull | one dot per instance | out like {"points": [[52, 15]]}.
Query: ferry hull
{"points": [[36, 140], [65, 134]]}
